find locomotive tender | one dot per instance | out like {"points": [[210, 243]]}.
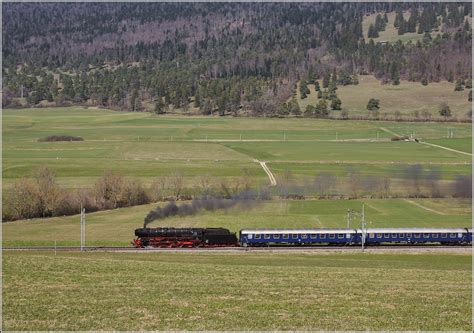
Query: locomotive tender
{"points": [[221, 237]]}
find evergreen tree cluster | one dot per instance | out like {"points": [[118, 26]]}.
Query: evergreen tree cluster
{"points": [[221, 58]]}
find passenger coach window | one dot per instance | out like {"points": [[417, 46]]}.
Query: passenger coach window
{"points": [[417, 235], [332, 236], [257, 236], [434, 235], [266, 236], [313, 236], [379, 235], [402, 236], [426, 235], [386, 235], [285, 236], [444, 235], [304, 236], [294, 236], [371, 236], [276, 236], [322, 236], [340, 236], [409, 235], [452, 235]]}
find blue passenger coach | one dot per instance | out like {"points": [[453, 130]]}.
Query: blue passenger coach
{"points": [[371, 236], [262, 237], [416, 235]]}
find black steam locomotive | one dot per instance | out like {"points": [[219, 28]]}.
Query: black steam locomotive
{"points": [[184, 237]]}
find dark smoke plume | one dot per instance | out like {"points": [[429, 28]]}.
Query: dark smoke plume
{"points": [[243, 200]]}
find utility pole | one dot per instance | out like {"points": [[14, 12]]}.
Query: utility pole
{"points": [[348, 217], [83, 227], [364, 231]]}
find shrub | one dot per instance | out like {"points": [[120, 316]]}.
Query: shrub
{"points": [[373, 104], [54, 138], [444, 110]]}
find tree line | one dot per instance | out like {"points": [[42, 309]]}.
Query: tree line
{"points": [[41, 196]]}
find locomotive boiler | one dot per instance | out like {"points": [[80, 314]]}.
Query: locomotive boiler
{"points": [[184, 237]]}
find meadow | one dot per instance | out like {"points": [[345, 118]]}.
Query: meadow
{"points": [[407, 98], [151, 291], [116, 227], [245, 291], [146, 146]]}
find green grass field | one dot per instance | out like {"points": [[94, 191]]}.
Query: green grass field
{"points": [[147, 146], [407, 98], [246, 291], [116, 227]]}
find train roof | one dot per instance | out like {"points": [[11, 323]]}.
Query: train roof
{"points": [[351, 231], [297, 231], [413, 230]]}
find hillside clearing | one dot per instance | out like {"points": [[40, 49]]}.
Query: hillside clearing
{"points": [[407, 98]]}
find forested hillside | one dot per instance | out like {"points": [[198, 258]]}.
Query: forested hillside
{"points": [[221, 57]]}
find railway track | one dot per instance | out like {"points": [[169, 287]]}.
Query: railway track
{"points": [[274, 249]]}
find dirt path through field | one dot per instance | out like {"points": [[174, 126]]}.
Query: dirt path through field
{"points": [[268, 172], [446, 148], [424, 207]]}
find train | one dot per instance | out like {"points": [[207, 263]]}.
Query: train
{"points": [[221, 237]]}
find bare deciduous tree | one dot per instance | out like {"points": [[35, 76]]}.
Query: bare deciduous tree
{"points": [[159, 188], [48, 191], [354, 182], [205, 184], [432, 183], [23, 199], [386, 186], [324, 183], [176, 182], [462, 187], [372, 185], [413, 174], [108, 189]]}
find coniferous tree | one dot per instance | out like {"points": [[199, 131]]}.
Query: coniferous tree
{"points": [[321, 109], [159, 106], [398, 18], [304, 90], [316, 86], [294, 107], [373, 33], [459, 85], [373, 104], [336, 103], [326, 79], [394, 74]]}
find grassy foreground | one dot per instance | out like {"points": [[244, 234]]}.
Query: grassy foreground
{"points": [[118, 291], [116, 227]]}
